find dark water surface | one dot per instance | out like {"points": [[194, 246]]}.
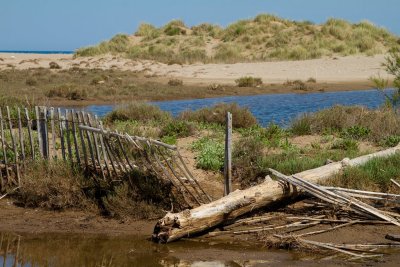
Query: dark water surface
{"points": [[97, 250], [278, 108]]}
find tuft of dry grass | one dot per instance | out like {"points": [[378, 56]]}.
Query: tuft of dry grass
{"points": [[53, 186], [137, 111], [380, 124], [242, 117]]}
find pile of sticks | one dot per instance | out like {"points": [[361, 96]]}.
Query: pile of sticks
{"points": [[333, 206]]}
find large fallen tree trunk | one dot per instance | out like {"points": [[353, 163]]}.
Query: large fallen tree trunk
{"points": [[189, 222]]}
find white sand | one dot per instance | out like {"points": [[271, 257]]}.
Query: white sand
{"points": [[341, 69]]}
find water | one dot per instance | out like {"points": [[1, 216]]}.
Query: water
{"points": [[278, 108], [135, 250], [36, 52]]}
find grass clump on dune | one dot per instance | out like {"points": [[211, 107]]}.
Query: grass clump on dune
{"points": [[265, 37]]}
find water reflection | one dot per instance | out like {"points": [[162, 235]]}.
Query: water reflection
{"points": [[104, 251], [97, 250]]}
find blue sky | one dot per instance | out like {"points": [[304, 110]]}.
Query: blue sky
{"points": [[69, 24]]}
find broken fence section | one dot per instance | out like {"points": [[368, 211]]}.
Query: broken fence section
{"points": [[77, 137]]}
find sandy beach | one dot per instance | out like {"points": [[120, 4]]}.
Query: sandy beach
{"points": [[351, 69]]}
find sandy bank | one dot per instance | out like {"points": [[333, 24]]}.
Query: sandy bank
{"points": [[351, 69]]}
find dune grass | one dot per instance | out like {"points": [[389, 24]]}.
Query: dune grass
{"points": [[263, 38]]}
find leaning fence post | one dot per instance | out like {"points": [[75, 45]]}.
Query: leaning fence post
{"points": [[228, 155]]}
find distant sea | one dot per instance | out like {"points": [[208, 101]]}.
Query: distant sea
{"points": [[36, 52]]}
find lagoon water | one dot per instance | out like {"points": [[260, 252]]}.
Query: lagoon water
{"points": [[277, 108]]}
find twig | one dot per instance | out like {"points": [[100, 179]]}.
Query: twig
{"points": [[396, 183]]}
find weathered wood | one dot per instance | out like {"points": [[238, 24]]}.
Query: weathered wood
{"points": [[44, 133], [88, 139], [189, 222], [29, 126], [99, 125], [73, 126], [395, 183], [14, 145], [228, 155], [53, 134], [96, 146], [67, 136], [82, 139], [37, 113], [21, 136], [61, 127], [393, 237]]}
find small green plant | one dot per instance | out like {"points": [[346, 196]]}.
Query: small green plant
{"points": [[391, 141], [355, 132], [210, 154], [345, 144], [301, 125], [248, 81], [178, 128]]}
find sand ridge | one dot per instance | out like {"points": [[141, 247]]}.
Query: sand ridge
{"points": [[337, 69]]}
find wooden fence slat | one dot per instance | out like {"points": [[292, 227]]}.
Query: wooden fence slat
{"points": [[67, 136], [61, 126], [29, 125], [14, 146], [98, 124], [45, 133], [53, 133], [85, 157], [39, 131], [21, 136], [96, 145], [82, 113], [110, 156], [77, 154]]}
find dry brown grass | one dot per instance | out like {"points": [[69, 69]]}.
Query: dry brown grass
{"points": [[381, 123], [53, 186], [242, 117]]}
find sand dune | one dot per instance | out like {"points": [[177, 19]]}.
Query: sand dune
{"points": [[340, 69]]}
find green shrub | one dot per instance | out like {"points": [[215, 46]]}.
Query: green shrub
{"points": [[248, 81], [345, 144], [246, 156], [380, 123], [138, 111], [68, 91], [301, 125], [178, 128], [210, 154], [391, 141], [356, 132], [374, 175], [241, 117]]}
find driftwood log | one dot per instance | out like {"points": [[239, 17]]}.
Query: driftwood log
{"points": [[174, 226]]}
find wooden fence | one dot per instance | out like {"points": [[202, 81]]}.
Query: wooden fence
{"points": [[77, 137]]}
